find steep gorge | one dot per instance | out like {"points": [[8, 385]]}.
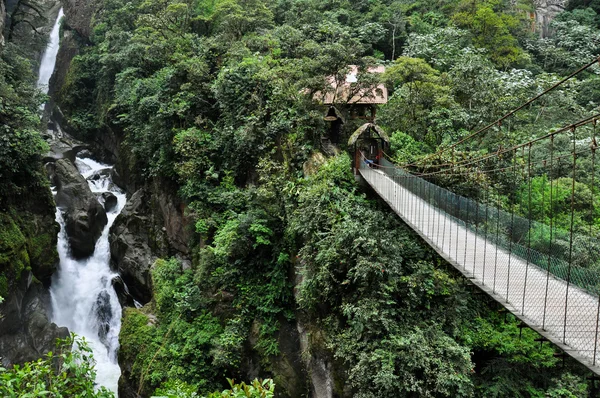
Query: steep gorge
{"points": [[264, 270]]}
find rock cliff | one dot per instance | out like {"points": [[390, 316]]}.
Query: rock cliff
{"points": [[2, 19], [85, 217], [545, 12], [28, 258]]}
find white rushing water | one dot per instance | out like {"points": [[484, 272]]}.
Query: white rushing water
{"points": [[83, 298], [49, 58]]}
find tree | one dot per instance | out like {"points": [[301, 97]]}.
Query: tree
{"points": [[235, 18], [491, 31], [422, 104]]}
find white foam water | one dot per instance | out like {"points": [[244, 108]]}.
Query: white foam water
{"points": [[83, 297], [48, 61]]}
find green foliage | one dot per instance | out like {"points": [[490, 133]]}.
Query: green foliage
{"points": [[422, 104], [491, 30], [20, 142], [257, 389], [184, 345], [512, 364], [67, 372], [574, 42], [184, 334], [350, 246], [14, 258], [562, 199], [215, 96], [24, 248], [404, 148]]}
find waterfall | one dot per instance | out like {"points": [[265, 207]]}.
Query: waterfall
{"points": [[49, 58], [83, 297]]}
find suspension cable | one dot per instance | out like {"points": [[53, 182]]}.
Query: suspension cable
{"points": [[501, 119]]}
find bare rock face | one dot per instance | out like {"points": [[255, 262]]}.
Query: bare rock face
{"points": [[79, 15], [110, 201], [85, 218], [2, 19], [152, 225], [135, 242], [26, 333], [545, 12]]}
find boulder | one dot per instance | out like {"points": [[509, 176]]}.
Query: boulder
{"points": [[84, 153], [125, 297], [62, 145], [110, 201], [26, 333], [85, 218], [100, 175], [152, 225], [135, 241], [103, 312]]}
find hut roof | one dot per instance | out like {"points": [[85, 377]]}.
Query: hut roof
{"points": [[362, 129], [334, 114], [347, 92]]}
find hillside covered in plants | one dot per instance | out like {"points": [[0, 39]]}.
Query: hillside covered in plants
{"points": [[250, 247]]}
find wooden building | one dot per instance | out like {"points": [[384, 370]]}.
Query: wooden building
{"points": [[355, 94], [369, 142]]}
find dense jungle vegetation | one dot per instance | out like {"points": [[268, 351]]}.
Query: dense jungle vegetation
{"points": [[214, 97]]}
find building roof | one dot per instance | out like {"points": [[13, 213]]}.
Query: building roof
{"points": [[348, 92], [362, 129]]}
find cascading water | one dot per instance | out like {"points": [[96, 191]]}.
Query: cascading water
{"points": [[49, 58], [83, 297]]}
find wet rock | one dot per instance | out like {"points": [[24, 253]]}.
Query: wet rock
{"points": [[103, 313], [123, 294], [170, 213], [85, 218], [62, 145], [99, 175], [85, 153], [110, 201], [116, 178], [50, 168], [289, 372], [79, 14], [134, 244], [26, 333]]}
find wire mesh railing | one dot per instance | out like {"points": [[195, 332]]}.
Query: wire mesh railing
{"points": [[542, 272], [525, 238]]}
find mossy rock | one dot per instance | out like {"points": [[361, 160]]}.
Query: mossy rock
{"points": [[138, 343], [27, 243], [14, 257]]}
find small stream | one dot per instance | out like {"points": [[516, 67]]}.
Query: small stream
{"points": [[83, 297]]}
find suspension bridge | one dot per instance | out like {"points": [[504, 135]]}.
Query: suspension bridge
{"points": [[543, 268]]}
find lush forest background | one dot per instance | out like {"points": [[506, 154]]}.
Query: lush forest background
{"points": [[210, 96]]}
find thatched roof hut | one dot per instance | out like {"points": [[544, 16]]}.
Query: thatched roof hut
{"points": [[370, 128], [350, 91]]}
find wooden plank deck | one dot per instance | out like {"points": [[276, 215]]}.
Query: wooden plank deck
{"points": [[564, 314]]}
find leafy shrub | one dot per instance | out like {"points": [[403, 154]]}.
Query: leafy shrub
{"points": [[65, 373]]}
